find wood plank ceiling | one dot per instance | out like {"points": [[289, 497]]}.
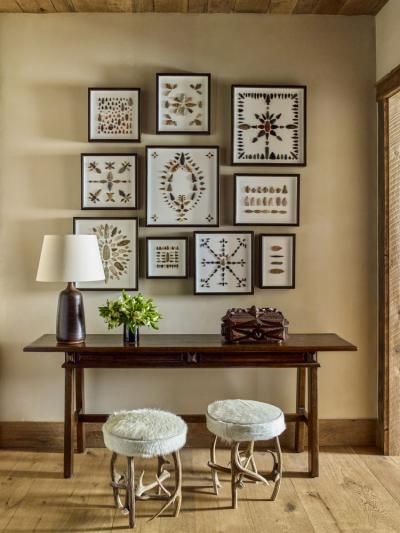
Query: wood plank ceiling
{"points": [[287, 7]]}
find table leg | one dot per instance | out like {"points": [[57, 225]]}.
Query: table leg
{"points": [[313, 424], [300, 409], [80, 408], [69, 423]]}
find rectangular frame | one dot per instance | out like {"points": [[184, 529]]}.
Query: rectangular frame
{"points": [[169, 238], [292, 237]]}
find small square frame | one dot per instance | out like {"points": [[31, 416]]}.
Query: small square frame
{"points": [[185, 240], [263, 284]]}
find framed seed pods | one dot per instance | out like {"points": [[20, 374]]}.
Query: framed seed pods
{"points": [[183, 103], [182, 186], [167, 257], [266, 199], [118, 244], [108, 181], [277, 261], [223, 262], [114, 115], [268, 125]]}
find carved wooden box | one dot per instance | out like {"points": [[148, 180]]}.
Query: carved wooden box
{"points": [[264, 324]]}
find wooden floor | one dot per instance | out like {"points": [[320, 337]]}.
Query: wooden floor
{"points": [[357, 491]]}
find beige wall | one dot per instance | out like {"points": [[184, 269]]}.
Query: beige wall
{"points": [[47, 63], [387, 38]]}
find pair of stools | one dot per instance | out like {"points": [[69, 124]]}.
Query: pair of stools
{"points": [[153, 433]]}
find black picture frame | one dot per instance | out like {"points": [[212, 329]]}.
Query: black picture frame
{"points": [[109, 154], [185, 239], [159, 75], [195, 270], [263, 162], [235, 213], [136, 236], [261, 256], [114, 140]]}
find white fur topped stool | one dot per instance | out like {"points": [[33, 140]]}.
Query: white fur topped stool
{"points": [[145, 433], [245, 421]]}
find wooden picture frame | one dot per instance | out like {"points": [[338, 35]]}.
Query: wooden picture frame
{"points": [[174, 265], [115, 266], [230, 256], [269, 125], [119, 115], [273, 260], [188, 102], [113, 184]]}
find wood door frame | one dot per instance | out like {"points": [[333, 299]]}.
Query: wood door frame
{"points": [[385, 88]]}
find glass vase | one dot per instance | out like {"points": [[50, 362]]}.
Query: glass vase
{"points": [[131, 337]]}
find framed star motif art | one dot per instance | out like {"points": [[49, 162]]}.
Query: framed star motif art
{"points": [[183, 103], [118, 245], [277, 261], [109, 181], [182, 186], [167, 257], [223, 262], [114, 115], [268, 125]]}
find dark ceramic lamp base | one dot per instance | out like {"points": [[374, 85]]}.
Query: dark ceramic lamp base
{"points": [[70, 316]]}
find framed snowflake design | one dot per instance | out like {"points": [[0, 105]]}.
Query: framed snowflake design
{"points": [[109, 181], [183, 103], [182, 185], [114, 115], [223, 262], [118, 245], [269, 125]]}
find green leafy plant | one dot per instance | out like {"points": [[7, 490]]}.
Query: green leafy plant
{"points": [[134, 311]]}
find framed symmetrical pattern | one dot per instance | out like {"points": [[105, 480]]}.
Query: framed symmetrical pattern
{"points": [[167, 257], [277, 261], [182, 186], [268, 125], [266, 199], [183, 103], [118, 244], [108, 181], [223, 262], [114, 115]]}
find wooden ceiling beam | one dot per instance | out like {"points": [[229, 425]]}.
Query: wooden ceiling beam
{"points": [[252, 6], [282, 7], [329, 7], [356, 7], [305, 7]]}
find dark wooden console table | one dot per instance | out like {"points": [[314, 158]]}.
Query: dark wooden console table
{"points": [[191, 351]]}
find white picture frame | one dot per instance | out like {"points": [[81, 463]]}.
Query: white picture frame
{"points": [[277, 261]]}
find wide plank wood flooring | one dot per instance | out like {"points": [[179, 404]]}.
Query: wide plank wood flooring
{"points": [[357, 491]]}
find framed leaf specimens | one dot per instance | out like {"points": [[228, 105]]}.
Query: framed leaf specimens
{"points": [[268, 125], [114, 115], [167, 257], [277, 261], [183, 103], [266, 199], [108, 181], [223, 262], [118, 244], [182, 186]]}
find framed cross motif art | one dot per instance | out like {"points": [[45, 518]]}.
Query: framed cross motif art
{"points": [[167, 257], [118, 245], [277, 261], [266, 199], [182, 186], [268, 125], [223, 262], [114, 115], [108, 181], [183, 103]]}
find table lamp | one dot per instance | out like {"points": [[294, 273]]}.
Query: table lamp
{"points": [[70, 258]]}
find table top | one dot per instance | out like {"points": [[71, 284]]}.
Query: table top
{"points": [[300, 342]]}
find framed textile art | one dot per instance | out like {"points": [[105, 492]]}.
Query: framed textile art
{"points": [[182, 186], [223, 262], [167, 257], [114, 115], [183, 103], [118, 244], [277, 261], [268, 125], [266, 199], [108, 181]]}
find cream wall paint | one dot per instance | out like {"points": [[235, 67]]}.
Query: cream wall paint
{"points": [[47, 63], [387, 38]]}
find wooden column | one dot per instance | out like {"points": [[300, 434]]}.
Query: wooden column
{"points": [[300, 409], [69, 418], [80, 408], [313, 424]]}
